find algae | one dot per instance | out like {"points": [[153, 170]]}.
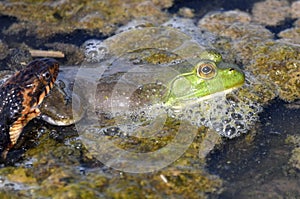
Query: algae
{"points": [[46, 17]]}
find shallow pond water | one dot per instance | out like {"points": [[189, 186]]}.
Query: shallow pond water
{"points": [[261, 168], [52, 162]]}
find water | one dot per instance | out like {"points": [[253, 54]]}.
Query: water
{"points": [[251, 169], [256, 166]]}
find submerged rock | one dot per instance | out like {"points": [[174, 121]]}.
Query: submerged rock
{"points": [[46, 18], [275, 62]]}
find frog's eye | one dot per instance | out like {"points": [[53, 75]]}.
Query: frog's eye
{"points": [[46, 75], [206, 70]]}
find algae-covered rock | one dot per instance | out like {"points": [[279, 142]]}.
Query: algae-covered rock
{"points": [[45, 18], [274, 61], [295, 9], [271, 12], [294, 160], [20, 176], [53, 175], [291, 35], [279, 62], [3, 50], [239, 36]]}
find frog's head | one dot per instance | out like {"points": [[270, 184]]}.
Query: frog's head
{"points": [[210, 76]]}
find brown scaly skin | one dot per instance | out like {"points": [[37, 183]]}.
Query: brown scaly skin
{"points": [[20, 97]]}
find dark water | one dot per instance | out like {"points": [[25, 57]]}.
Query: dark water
{"points": [[77, 37], [202, 7], [246, 168]]}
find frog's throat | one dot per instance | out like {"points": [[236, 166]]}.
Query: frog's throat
{"points": [[190, 101], [178, 106]]}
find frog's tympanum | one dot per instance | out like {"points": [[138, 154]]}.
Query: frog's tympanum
{"points": [[20, 97]]}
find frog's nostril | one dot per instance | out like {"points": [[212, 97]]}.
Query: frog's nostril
{"points": [[231, 69]]}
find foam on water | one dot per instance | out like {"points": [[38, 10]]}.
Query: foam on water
{"points": [[94, 50], [229, 114]]}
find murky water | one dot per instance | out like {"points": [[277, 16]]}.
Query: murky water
{"points": [[262, 166]]}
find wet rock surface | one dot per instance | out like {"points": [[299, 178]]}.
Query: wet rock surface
{"points": [[65, 17]]}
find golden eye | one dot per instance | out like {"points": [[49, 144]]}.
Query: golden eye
{"points": [[206, 70]]}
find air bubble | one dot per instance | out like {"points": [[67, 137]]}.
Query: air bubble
{"points": [[239, 125], [94, 50], [229, 131], [111, 131], [230, 109], [226, 120], [190, 111], [236, 116], [218, 126]]}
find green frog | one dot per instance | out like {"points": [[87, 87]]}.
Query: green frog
{"points": [[180, 75]]}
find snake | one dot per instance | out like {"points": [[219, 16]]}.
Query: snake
{"points": [[20, 97]]}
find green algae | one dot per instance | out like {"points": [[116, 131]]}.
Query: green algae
{"points": [[294, 160], [46, 17], [276, 61], [52, 169], [291, 35], [280, 63], [3, 50], [52, 174], [20, 176]]}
